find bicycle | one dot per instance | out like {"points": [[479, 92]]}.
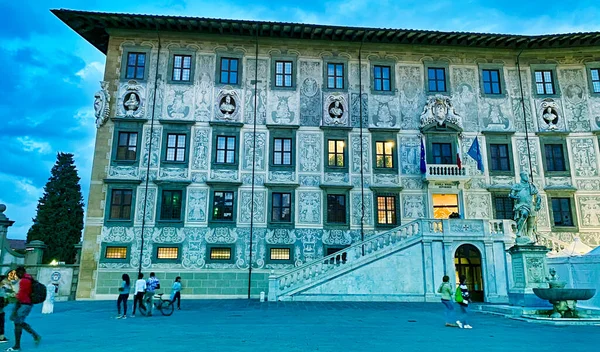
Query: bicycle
{"points": [[164, 305]]}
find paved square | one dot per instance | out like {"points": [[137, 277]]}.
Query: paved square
{"points": [[242, 325]]}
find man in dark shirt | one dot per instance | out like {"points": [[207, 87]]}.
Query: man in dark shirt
{"points": [[22, 309]]}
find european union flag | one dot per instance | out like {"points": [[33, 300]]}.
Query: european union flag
{"points": [[423, 164], [475, 153]]}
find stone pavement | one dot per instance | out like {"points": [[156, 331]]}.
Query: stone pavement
{"points": [[242, 325]]}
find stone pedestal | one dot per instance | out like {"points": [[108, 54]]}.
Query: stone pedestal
{"points": [[35, 252], [529, 271], [5, 223]]}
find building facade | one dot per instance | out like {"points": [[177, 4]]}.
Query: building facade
{"points": [[273, 145]]}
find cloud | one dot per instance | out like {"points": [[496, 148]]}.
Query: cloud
{"points": [[29, 145], [91, 70]]}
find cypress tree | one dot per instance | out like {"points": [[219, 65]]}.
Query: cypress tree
{"points": [[59, 219]]}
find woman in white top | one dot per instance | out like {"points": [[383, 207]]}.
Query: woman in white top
{"points": [[140, 290]]}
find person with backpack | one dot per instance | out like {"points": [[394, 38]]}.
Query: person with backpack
{"points": [[123, 296], [25, 300], [463, 297], [176, 292], [152, 285], [446, 290], [140, 291]]}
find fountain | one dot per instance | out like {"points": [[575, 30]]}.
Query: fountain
{"points": [[564, 300]]}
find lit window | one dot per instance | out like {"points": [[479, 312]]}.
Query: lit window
{"points": [[491, 81], [223, 206], [382, 78], [229, 70], [444, 205], [136, 63], [437, 79], [384, 152], [167, 253], [335, 76], [280, 254], [120, 204], [336, 153], [386, 210], [283, 73], [543, 82], [220, 253], [115, 253], [225, 150], [175, 147], [182, 67]]}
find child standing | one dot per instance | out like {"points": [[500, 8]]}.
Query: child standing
{"points": [[446, 291], [123, 296], [176, 292], [140, 291], [463, 297], [48, 306]]}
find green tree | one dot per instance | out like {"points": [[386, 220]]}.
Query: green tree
{"points": [[59, 219]]}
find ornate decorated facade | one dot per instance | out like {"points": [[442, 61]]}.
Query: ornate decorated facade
{"points": [[230, 144]]}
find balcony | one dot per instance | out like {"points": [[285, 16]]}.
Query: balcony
{"points": [[447, 172]]}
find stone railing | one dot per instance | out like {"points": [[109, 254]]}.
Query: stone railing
{"points": [[553, 244], [446, 170]]}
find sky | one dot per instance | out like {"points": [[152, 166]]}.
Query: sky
{"points": [[48, 74]]}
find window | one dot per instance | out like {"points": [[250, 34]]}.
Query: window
{"points": [[335, 76], [336, 208], [175, 147], [544, 84], [127, 146], [561, 209], [384, 151], [595, 78], [282, 151], [491, 81], [283, 73], [223, 205], [555, 158], [136, 63], [280, 254], [225, 150], [336, 153], [182, 67], [504, 208], [220, 253], [442, 153], [437, 79], [229, 70], [386, 210], [120, 204], [171, 205], [444, 205], [382, 78], [499, 157], [167, 253], [115, 252], [282, 207]]}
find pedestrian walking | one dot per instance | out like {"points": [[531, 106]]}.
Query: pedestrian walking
{"points": [[446, 290], [176, 292], [3, 303], [123, 296], [22, 309], [48, 306], [463, 297], [140, 291], [152, 285]]}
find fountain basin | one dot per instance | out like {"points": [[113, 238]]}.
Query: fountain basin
{"points": [[565, 294]]}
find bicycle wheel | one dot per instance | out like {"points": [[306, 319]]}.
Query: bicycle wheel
{"points": [[142, 308], [167, 308]]}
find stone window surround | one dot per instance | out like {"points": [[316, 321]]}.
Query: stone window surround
{"points": [[114, 260], [155, 258], [231, 54], [335, 60], [283, 57], [544, 140], [338, 134], [441, 136], [492, 66], [127, 125], [223, 187], [383, 135], [120, 184], [392, 65], [231, 247], [459, 195], [126, 49], [283, 188], [498, 194], [545, 67], [386, 191], [437, 64], [280, 261], [588, 71], [336, 189], [570, 194], [278, 131], [179, 127], [229, 131], [171, 186], [499, 138], [181, 51]]}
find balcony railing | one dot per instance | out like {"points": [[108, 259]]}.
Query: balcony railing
{"points": [[447, 172]]}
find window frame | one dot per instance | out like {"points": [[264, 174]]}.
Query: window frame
{"points": [[176, 148], [276, 131], [504, 197], [226, 150], [280, 261], [223, 187], [589, 66], [126, 50], [501, 80], [273, 76], [335, 60], [175, 128], [386, 193], [167, 245], [120, 184], [162, 203], [563, 195], [229, 55], [126, 127], [383, 63], [433, 65], [210, 247], [122, 205], [227, 132], [384, 137], [336, 190], [499, 138], [555, 84], [550, 141], [334, 134], [105, 245], [281, 189], [171, 66], [171, 186]]}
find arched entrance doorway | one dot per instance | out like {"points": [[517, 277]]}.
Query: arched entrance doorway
{"points": [[467, 262]]}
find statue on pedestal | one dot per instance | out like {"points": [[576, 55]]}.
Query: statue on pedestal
{"points": [[527, 204]]}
